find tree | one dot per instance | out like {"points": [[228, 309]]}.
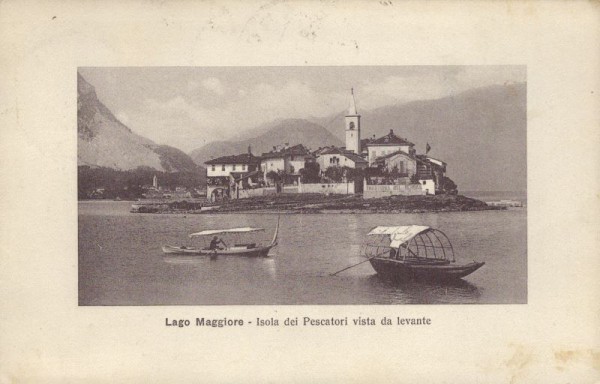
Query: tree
{"points": [[334, 173], [131, 183], [310, 173], [355, 174], [273, 176], [448, 186], [394, 172]]}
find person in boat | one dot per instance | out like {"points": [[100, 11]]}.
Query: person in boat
{"points": [[393, 253], [214, 243]]}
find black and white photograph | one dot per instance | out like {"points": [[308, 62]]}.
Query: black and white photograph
{"points": [[302, 185]]}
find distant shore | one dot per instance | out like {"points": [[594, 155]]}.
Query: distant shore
{"points": [[318, 203]]}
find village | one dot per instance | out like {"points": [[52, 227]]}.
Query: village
{"points": [[372, 167], [368, 175]]}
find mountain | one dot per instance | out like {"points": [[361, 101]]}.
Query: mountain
{"points": [[481, 134], [291, 131], [103, 141]]}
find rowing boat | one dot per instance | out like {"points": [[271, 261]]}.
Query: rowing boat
{"points": [[414, 252], [240, 249]]}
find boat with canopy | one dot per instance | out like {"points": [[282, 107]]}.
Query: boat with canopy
{"points": [[249, 249], [414, 252]]}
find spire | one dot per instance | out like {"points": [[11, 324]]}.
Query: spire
{"points": [[352, 109]]}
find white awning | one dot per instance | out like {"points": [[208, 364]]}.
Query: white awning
{"points": [[400, 234], [231, 230]]}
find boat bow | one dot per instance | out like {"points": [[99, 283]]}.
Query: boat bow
{"points": [[274, 241]]}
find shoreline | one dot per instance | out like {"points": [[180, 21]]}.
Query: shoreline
{"points": [[321, 204]]}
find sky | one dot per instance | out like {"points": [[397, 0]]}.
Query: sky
{"points": [[188, 107]]}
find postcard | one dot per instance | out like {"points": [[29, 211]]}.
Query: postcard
{"points": [[300, 192]]}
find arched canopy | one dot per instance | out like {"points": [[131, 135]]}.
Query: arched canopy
{"points": [[409, 241]]}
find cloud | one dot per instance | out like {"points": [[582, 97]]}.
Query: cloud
{"points": [[185, 120], [213, 84], [435, 84]]}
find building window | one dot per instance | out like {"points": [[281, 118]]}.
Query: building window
{"points": [[292, 158], [234, 167], [243, 167], [223, 167], [212, 168]]}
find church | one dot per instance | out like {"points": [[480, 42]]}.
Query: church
{"points": [[387, 160], [385, 166]]}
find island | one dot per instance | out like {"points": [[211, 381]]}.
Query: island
{"points": [[319, 203]]}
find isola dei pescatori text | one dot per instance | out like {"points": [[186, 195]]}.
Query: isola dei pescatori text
{"points": [[298, 321]]}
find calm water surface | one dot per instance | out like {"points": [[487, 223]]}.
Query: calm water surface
{"points": [[121, 261]]}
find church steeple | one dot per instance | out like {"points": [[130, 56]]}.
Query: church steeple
{"points": [[353, 126], [352, 109]]}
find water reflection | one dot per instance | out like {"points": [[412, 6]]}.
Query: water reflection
{"points": [[183, 259], [270, 266], [266, 264], [427, 292]]}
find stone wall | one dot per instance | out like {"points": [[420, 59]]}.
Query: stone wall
{"points": [[328, 188], [375, 191], [246, 193], [331, 188]]}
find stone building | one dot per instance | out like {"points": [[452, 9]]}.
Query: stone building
{"points": [[287, 161], [224, 173]]}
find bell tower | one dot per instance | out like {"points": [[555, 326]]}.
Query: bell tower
{"points": [[353, 127]]}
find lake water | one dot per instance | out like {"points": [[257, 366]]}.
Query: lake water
{"points": [[121, 261]]}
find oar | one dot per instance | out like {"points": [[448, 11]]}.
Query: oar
{"points": [[364, 261]]}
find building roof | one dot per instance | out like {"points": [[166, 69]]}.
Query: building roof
{"points": [[295, 150], [343, 152], [332, 151], [439, 162], [245, 158], [322, 150], [431, 160], [356, 158], [394, 154], [389, 139]]}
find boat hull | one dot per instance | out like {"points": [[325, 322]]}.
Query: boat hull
{"points": [[246, 252], [399, 270]]}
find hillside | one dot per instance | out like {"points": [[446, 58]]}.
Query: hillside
{"points": [[292, 131], [103, 141], [481, 134]]}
